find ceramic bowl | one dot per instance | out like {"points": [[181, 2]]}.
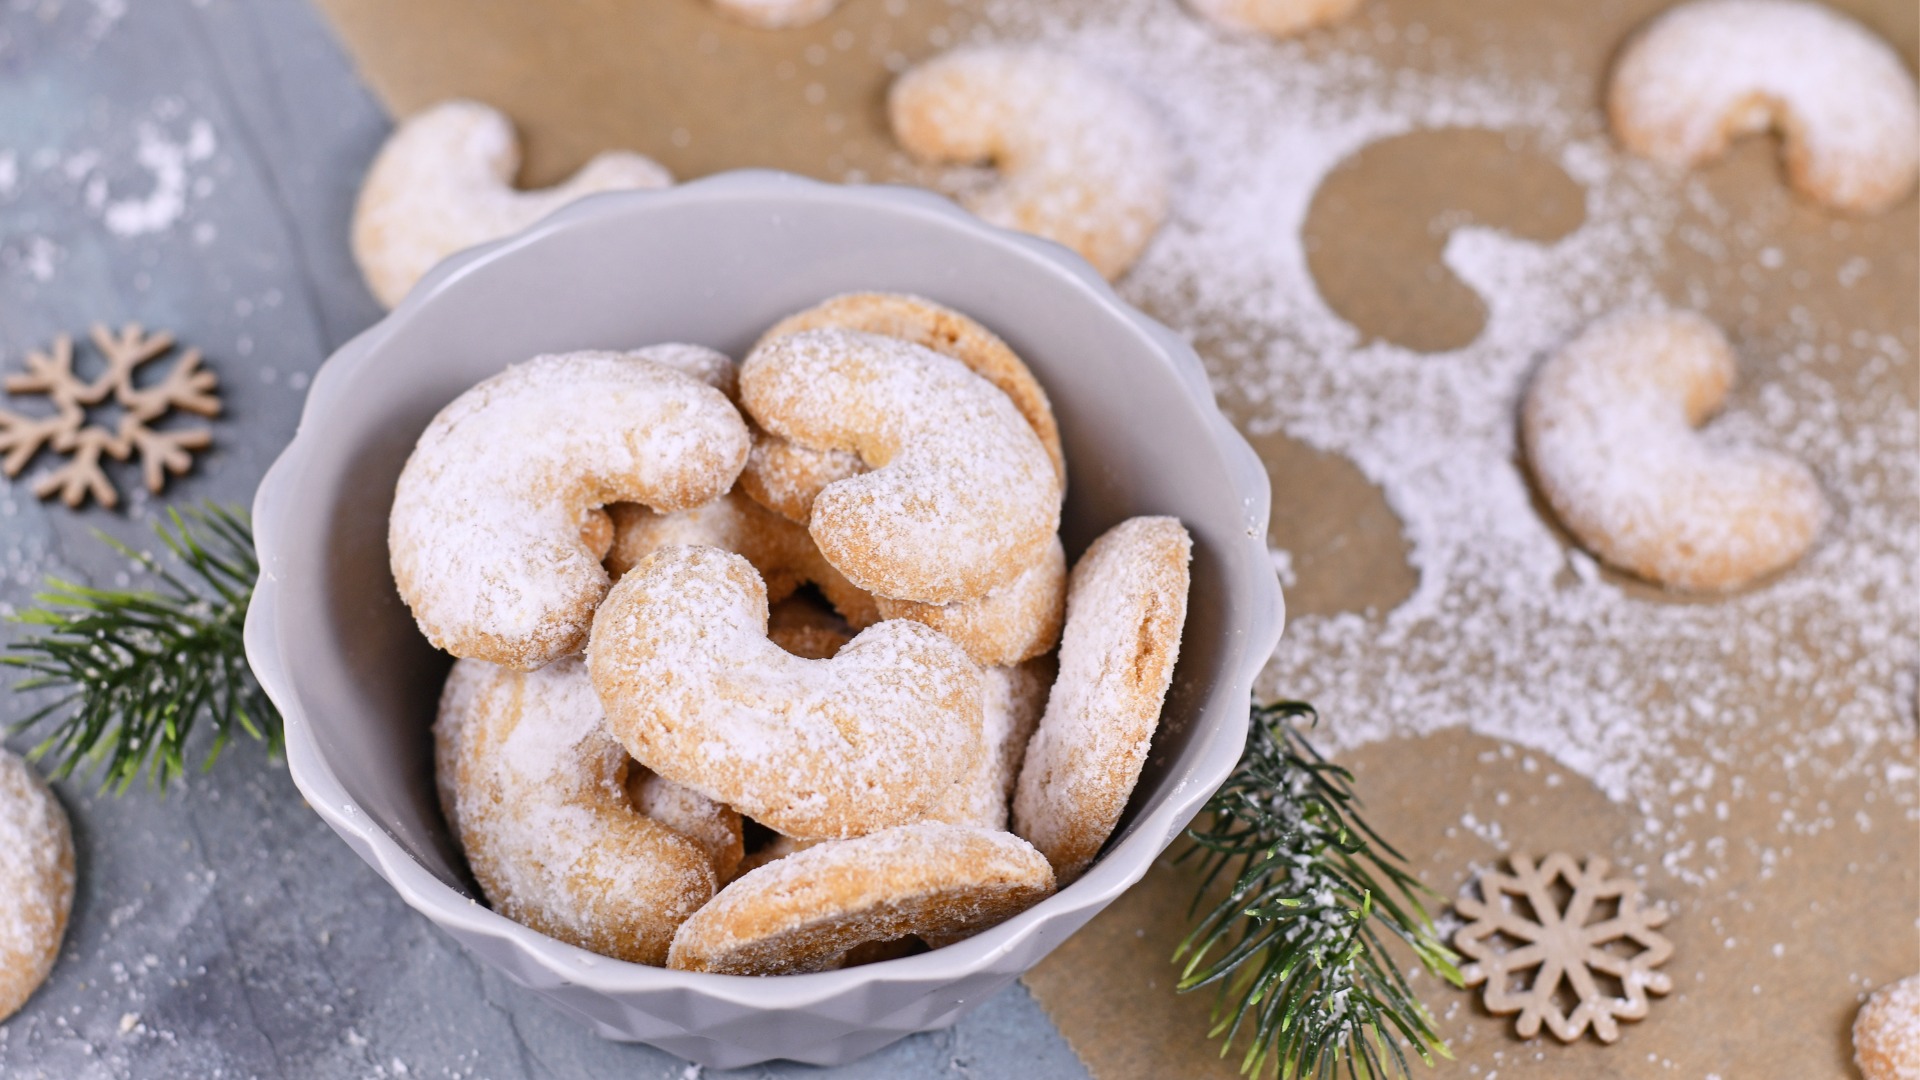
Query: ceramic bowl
{"points": [[715, 262]]}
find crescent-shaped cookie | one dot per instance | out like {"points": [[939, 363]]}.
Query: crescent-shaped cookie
{"points": [[486, 533], [1608, 424], [443, 182], [1703, 73], [804, 912], [534, 790], [1082, 160], [1126, 607], [961, 497], [696, 691], [931, 326]]}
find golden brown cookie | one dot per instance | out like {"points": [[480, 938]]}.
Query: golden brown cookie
{"points": [[716, 369], [805, 912], [36, 881], [534, 790], [1275, 18], [772, 851], [786, 478], [781, 551], [1886, 1032], [812, 748], [713, 827], [1608, 425], [486, 533], [1013, 699], [1018, 621], [444, 182], [961, 497], [945, 331], [1703, 73], [807, 628], [1126, 606], [1082, 160]]}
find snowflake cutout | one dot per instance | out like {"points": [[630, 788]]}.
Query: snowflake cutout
{"points": [[1548, 912], [187, 386]]}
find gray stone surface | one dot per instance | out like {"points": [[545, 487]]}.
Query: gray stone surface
{"points": [[192, 166]]}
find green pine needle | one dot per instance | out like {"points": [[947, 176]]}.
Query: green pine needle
{"points": [[140, 669], [1295, 950]]}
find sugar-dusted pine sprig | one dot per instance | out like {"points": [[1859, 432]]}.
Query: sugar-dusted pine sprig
{"points": [[138, 670], [1295, 948]]}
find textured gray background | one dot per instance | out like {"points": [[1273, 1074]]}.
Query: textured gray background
{"points": [[192, 165]]}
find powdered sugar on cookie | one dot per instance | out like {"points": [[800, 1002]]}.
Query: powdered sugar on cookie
{"points": [[532, 784], [444, 182], [1012, 699], [1018, 621], [1082, 160], [961, 498], [36, 882], [714, 827], [803, 912], [1706, 72], [873, 737], [945, 331], [1126, 607], [1609, 426], [1886, 1032], [1278, 18], [486, 528]]}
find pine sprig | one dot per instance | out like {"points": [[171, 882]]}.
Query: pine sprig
{"points": [[1295, 949], [141, 669]]}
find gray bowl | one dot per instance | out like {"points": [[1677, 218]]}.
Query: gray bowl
{"points": [[715, 262]]}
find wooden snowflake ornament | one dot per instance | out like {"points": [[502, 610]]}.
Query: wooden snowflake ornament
{"points": [[187, 386], [1574, 930]]}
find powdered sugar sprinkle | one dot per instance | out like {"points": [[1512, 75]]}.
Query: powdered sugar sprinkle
{"points": [[1511, 632]]}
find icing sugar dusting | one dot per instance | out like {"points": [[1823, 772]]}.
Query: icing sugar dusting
{"points": [[1012, 700], [1081, 161], [167, 161], [1511, 632], [147, 179], [1886, 1033], [811, 748], [485, 530], [36, 881], [531, 780], [962, 495], [803, 912], [1608, 427], [1708, 70]]}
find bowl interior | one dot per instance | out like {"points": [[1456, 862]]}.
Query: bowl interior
{"points": [[714, 265]]}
